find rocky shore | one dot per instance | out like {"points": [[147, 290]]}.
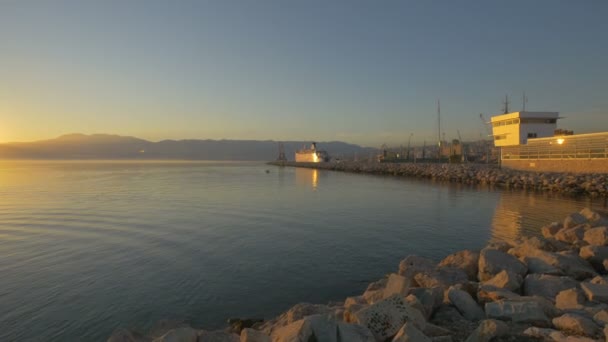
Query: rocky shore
{"points": [[593, 185], [549, 288]]}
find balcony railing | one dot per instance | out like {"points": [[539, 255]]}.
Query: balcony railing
{"points": [[582, 146]]}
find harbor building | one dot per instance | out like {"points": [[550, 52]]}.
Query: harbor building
{"points": [[531, 141], [516, 128]]}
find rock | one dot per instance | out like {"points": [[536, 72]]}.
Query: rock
{"points": [[294, 314], [554, 335], [571, 235], [488, 293], [429, 298], [595, 255], [551, 230], [354, 333], [544, 262], [506, 280], [386, 317], [124, 335], [447, 313], [492, 262], [574, 220], [576, 324], [183, 334], [357, 300], [373, 296], [466, 260], [315, 327], [601, 317], [465, 304], [595, 292], [238, 324], [597, 236], [433, 330], [252, 335], [571, 299], [409, 333], [548, 307], [441, 277], [415, 303], [487, 330], [396, 285], [529, 312], [217, 336], [499, 245], [547, 286], [442, 339], [593, 217], [413, 265]]}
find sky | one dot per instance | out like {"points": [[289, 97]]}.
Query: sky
{"points": [[365, 72]]}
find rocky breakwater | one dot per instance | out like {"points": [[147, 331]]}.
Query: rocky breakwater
{"points": [[594, 185], [549, 288]]}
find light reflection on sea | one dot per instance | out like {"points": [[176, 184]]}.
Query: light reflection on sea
{"points": [[86, 247]]}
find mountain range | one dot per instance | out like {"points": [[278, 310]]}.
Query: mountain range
{"points": [[107, 146]]}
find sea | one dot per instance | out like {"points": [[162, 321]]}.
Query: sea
{"points": [[88, 247]]}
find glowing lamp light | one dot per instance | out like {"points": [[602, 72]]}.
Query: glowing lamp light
{"points": [[560, 141]]}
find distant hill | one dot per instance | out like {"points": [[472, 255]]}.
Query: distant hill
{"points": [[106, 146]]}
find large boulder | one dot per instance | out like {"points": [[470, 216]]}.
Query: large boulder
{"points": [[571, 235], [217, 336], [488, 293], [506, 280], [386, 317], [295, 313], [595, 292], [595, 255], [252, 335], [576, 324], [396, 284], [544, 262], [465, 304], [315, 327], [413, 265], [466, 260], [493, 261], [547, 286], [574, 220], [409, 333], [429, 298], [354, 332], [594, 218], [487, 330], [554, 335], [182, 334], [551, 229], [441, 277], [571, 299], [529, 312], [597, 236]]}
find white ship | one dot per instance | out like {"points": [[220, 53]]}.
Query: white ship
{"points": [[311, 155]]}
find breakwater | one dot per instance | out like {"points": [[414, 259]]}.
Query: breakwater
{"points": [[549, 288], [591, 184]]}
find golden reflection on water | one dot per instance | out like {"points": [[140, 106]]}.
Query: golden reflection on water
{"points": [[307, 177], [520, 213]]}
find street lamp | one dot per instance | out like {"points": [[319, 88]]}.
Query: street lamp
{"points": [[408, 146]]}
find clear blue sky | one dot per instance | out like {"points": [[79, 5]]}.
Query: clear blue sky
{"points": [[366, 72]]}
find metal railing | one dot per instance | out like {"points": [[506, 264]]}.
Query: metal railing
{"points": [[582, 146]]}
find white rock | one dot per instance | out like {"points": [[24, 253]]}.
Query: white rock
{"points": [[597, 236], [396, 285], [570, 299], [493, 261], [466, 260], [573, 220], [319, 327], [547, 286], [506, 280]]}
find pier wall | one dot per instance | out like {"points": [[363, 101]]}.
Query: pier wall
{"points": [[558, 165]]}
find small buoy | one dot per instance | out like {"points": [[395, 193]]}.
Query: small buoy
{"points": [[267, 171]]}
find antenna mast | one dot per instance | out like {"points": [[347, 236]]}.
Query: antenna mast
{"points": [[506, 103], [438, 129], [525, 99]]}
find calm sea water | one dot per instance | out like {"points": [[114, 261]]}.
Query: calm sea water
{"points": [[87, 247]]}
